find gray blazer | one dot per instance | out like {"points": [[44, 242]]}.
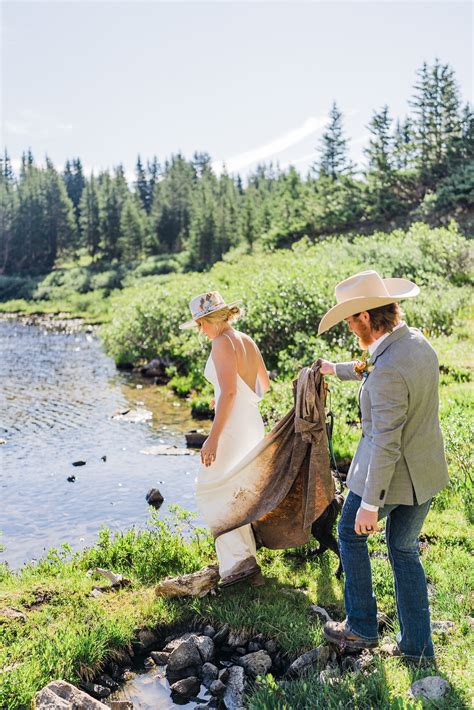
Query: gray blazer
{"points": [[400, 458]]}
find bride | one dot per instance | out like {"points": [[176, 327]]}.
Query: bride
{"points": [[237, 371]]}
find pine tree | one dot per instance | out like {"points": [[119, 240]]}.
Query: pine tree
{"points": [[172, 205], [403, 146], [204, 228], [334, 160], [142, 186], [132, 229], [379, 151], [438, 121], [90, 217]]}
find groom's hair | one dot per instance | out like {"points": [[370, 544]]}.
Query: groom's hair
{"points": [[385, 317]]}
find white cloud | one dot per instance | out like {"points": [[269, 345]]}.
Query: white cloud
{"points": [[272, 148]]}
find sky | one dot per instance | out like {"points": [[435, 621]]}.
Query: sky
{"points": [[246, 82]]}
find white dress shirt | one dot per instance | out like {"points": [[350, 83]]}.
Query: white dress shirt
{"points": [[372, 348]]}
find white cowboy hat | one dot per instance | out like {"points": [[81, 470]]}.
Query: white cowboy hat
{"points": [[364, 291], [204, 305]]}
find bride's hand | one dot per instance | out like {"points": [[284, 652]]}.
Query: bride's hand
{"points": [[209, 451], [212, 404]]}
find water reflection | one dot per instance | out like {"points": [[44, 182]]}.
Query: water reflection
{"points": [[57, 395]]}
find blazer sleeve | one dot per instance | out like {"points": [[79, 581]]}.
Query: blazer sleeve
{"points": [[389, 406], [345, 371]]}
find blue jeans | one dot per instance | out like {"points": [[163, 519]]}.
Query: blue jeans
{"points": [[404, 523]]}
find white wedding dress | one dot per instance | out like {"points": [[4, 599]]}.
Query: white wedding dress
{"points": [[243, 430]]}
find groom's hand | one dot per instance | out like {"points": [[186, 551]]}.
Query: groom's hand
{"points": [[327, 368], [366, 522]]}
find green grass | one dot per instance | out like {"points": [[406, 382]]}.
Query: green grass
{"points": [[71, 634]]}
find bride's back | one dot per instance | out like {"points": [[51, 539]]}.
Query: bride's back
{"points": [[250, 364]]}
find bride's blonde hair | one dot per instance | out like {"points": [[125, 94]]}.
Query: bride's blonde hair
{"points": [[218, 318]]}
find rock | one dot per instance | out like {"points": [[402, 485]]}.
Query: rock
{"points": [[172, 642], [320, 613], [184, 657], [224, 675], [236, 639], [364, 661], [209, 673], [71, 479], [258, 663], [205, 646], [107, 682], [196, 584], [389, 649], [121, 705], [240, 650], [431, 688], [9, 612], [78, 463], [60, 695], [127, 676], [195, 439], [209, 631], [234, 692], [149, 663], [319, 655], [160, 657], [154, 497], [253, 646], [271, 646], [146, 640], [97, 691], [3, 441], [222, 635], [135, 416], [442, 627], [115, 579], [186, 687], [217, 688], [47, 700], [165, 450], [96, 593], [156, 368]]}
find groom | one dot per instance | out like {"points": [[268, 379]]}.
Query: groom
{"points": [[399, 464]]}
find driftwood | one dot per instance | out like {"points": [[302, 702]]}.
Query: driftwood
{"points": [[196, 584]]}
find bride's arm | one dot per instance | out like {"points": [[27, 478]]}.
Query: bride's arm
{"points": [[262, 372], [225, 363]]}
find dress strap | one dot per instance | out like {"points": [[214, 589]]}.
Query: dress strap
{"points": [[231, 342]]}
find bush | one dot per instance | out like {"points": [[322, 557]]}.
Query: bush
{"points": [[287, 292]]}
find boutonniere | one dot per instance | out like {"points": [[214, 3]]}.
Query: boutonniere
{"points": [[364, 366]]}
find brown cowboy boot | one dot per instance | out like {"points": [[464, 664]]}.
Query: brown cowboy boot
{"points": [[338, 633]]}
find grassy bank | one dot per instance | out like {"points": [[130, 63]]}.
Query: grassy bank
{"points": [[68, 634]]}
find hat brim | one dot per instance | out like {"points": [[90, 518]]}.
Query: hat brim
{"points": [[193, 324], [398, 289]]}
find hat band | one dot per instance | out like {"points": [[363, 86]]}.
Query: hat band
{"points": [[209, 309]]}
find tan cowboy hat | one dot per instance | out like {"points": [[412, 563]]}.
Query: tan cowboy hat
{"points": [[204, 305], [364, 291]]}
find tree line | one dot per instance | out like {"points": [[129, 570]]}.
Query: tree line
{"points": [[419, 167]]}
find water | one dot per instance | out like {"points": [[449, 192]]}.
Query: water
{"points": [[58, 393]]}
